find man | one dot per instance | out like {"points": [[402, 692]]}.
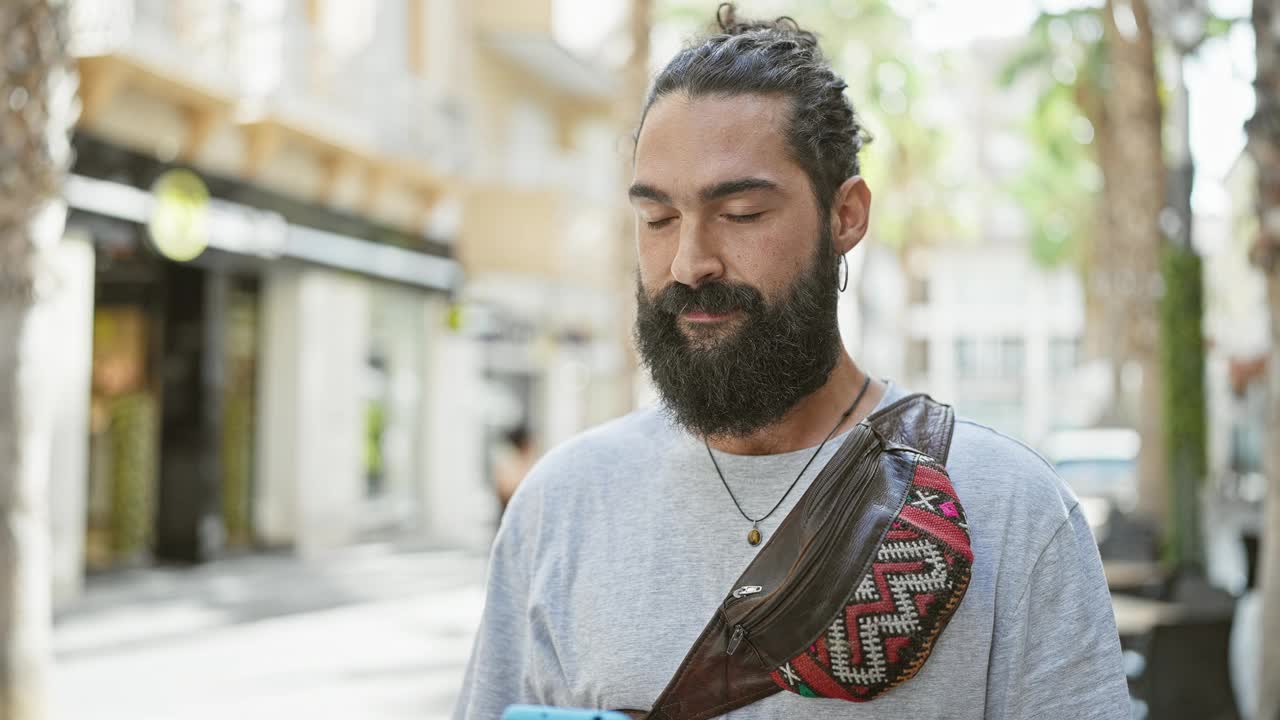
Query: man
{"points": [[621, 544], [513, 464]]}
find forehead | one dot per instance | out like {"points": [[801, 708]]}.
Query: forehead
{"points": [[687, 143]]}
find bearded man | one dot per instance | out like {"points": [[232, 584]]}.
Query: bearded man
{"points": [[622, 542]]}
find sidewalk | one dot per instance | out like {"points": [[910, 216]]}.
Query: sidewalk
{"points": [[372, 632]]}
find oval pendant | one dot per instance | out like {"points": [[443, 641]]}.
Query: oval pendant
{"points": [[753, 537]]}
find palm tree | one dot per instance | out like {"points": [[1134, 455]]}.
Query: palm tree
{"points": [[635, 82], [1058, 188], [1110, 231], [1264, 145], [1134, 171], [37, 88]]}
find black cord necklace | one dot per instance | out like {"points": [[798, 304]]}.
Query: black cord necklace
{"points": [[754, 537]]}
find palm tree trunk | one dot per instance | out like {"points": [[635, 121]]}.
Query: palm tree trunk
{"points": [[37, 85], [629, 103], [1135, 188], [1107, 316], [1264, 145]]}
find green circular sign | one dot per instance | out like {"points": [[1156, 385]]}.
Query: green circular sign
{"points": [[179, 225]]}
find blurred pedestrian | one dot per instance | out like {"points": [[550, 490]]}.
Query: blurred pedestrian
{"points": [[624, 541], [514, 460]]}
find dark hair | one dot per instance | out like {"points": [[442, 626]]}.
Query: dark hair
{"points": [[518, 436], [766, 57]]}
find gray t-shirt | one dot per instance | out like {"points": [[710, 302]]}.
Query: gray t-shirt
{"points": [[622, 542]]}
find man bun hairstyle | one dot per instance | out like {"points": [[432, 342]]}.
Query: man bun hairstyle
{"points": [[824, 133]]}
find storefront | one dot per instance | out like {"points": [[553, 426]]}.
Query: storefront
{"points": [[175, 348], [233, 392], [174, 354]]}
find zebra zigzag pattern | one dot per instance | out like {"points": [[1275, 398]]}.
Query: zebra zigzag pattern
{"points": [[895, 614]]}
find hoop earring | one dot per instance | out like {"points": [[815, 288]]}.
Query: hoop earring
{"points": [[844, 263]]}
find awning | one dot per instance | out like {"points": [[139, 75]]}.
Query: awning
{"points": [[247, 230]]}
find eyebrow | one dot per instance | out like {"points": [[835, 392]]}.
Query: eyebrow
{"points": [[707, 194], [640, 191], [733, 187]]}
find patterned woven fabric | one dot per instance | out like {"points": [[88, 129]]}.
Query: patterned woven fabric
{"points": [[901, 605]]}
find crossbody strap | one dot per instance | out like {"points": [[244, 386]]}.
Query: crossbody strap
{"points": [[917, 421], [711, 681]]}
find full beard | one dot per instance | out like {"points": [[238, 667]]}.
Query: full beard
{"points": [[737, 380]]}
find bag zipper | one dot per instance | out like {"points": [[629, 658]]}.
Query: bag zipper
{"points": [[761, 615], [738, 634]]}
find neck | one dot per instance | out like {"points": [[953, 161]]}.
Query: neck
{"points": [[809, 422]]}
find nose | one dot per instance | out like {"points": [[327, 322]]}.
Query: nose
{"points": [[696, 261]]}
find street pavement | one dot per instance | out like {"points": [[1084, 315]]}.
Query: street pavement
{"points": [[374, 632]]}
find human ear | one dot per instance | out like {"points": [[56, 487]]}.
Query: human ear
{"points": [[850, 214]]}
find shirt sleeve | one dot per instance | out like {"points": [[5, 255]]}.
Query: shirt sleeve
{"points": [[498, 671], [1057, 654]]}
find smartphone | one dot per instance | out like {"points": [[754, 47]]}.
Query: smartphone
{"points": [[542, 712]]}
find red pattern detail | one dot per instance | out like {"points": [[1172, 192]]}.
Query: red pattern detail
{"points": [[901, 652], [817, 678], [940, 528], [879, 607], [923, 602], [928, 477], [777, 680], [893, 646]]}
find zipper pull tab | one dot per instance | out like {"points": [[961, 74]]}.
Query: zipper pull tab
{"points": [[738, 633], [746, 590]]}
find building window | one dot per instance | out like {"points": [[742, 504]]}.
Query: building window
{"points": [[967, 358], [394, 404], [918, 358], [531, 141], [1064, 355], [345, 28], [918, 290], [417, 37], [989, 358], [1011, 353], [392, 42], [1246, 449]]}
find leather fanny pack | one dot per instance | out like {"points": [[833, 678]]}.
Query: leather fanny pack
{"points": [[849, 595]]}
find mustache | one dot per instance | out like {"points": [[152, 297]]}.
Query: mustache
{"points": [[716, 298]]}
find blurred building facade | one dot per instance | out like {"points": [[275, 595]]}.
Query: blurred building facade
{"points": [[541, 240], [999, 337], [403, 217], [984, 328], [972, 317], [1238, 353]]}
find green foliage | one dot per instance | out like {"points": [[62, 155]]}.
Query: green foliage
{"points": [[133, 471], [1217, 27], [1060, 187], [1182, 358], [1074, 34], [375, 423], [237, 466]]}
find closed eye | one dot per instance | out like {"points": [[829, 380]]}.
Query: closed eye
{"points": [[658, 224], [744, 218]]}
